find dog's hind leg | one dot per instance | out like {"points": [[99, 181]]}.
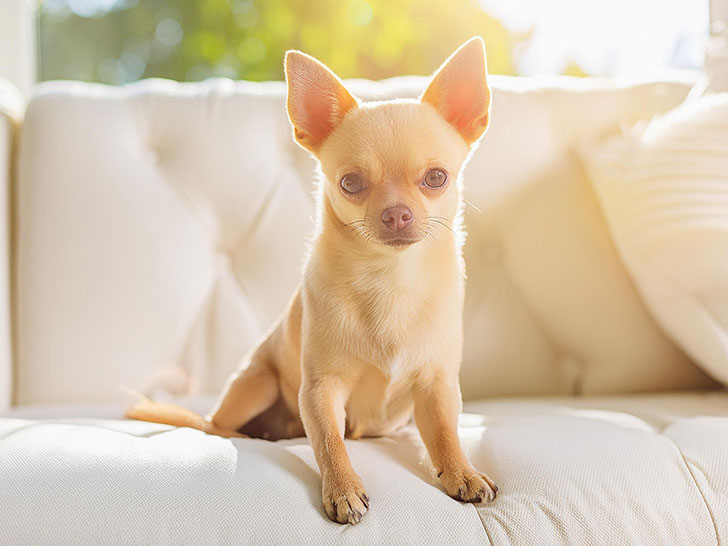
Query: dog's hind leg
{"points": [[247, 394], [254, 389]]}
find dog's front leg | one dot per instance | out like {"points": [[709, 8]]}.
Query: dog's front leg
{"points": [[437, 407], [322, 404]]}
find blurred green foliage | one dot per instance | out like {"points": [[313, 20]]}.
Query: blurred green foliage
{"points": [[116, 41]]}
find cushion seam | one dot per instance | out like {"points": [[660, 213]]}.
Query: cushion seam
{"points": [[485, 529], [695, 482]]}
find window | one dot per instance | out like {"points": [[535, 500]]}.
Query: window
{"points": [[117, 41], [606, 37]]}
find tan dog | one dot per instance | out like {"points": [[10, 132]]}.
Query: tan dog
{"points": [[375, 330]]}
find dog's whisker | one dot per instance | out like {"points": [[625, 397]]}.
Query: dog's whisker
{"points": [[430, 235], [476, 208], [447, 226], [424, 232], [438, 222], [433, 230], [359, 226]]}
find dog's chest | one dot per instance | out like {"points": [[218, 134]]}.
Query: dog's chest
{"points": [[381, 401], [392, 315]]}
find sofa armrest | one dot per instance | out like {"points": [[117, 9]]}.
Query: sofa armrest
{"points": [[10, 108]]}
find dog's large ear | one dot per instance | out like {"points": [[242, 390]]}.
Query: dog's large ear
{"points": [[317, 100], [459, 90]]}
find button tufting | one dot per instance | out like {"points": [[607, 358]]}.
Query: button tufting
{"points": [[223, 255], [572, 369], [153, 156]]}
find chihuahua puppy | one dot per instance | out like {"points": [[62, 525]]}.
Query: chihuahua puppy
{"points": [[374, 332]]}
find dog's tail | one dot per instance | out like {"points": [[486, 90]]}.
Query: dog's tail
{"points": [[177, 416]]}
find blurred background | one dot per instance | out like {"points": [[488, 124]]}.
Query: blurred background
{"points": [[119, 41]]}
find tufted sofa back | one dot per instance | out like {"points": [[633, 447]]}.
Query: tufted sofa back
{"points": [[10, 109], [162, 225]]}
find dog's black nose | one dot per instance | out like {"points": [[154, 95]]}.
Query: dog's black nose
{"points": [[397, 218]]}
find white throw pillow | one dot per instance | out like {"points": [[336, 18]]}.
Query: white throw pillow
{"points": [[664, 191]]}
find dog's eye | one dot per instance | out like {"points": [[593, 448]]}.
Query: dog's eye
{"points": [[352, 183], [435, 178]]}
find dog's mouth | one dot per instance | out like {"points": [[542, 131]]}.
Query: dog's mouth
{"points": [[400, 242]]}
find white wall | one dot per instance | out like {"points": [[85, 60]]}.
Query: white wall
{"points": [[17, 43]]}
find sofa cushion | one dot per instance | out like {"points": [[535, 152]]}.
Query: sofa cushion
{"points": [[620, 470], [83, 481], [162, 225], [664, 188]]}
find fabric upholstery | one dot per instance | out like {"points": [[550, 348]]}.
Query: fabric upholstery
{"points": [[627, 458], [584, 471], [664, 189], [162, 225], [160, 229]]}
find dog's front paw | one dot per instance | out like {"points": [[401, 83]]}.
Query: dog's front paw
{"points": [[345, 500], [468, 485]]}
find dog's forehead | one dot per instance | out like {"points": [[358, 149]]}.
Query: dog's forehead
{"points": [[401, 135]]}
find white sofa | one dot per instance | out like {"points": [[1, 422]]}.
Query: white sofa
{"points": [[154, 231]]}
